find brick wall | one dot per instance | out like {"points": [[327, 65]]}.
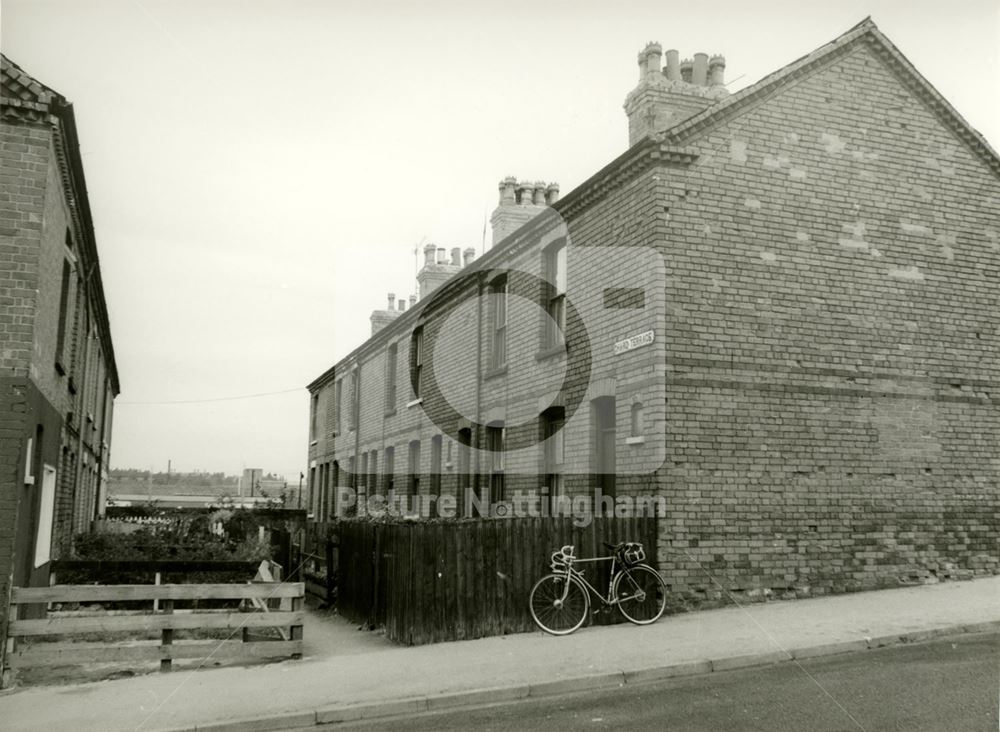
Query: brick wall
{"points": [[819, 401], [25, 154], [13, 406], [832, 417]]}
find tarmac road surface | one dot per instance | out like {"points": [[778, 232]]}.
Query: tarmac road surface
{"points": [[951, 684]]}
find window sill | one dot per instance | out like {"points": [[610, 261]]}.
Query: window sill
{"points": [[635, 440], [551, 352], [414, 403], [495, 372]]}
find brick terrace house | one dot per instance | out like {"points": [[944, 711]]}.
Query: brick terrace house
{"points": [[779, 312], [59, 379]]}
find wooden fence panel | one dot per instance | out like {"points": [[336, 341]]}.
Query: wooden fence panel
{"points": [[428, 582], [165, 620]]}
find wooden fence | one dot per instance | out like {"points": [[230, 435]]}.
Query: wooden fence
{"points": [[427, 582], [166, 621]]}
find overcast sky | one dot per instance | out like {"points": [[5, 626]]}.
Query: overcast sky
{"points": [[259, 172]]}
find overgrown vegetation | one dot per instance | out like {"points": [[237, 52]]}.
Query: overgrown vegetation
{"points": [[163, 534]]}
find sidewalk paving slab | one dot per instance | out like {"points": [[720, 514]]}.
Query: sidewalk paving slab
{"points": [[372, 678]]}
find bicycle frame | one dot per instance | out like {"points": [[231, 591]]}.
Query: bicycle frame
{"points": [[616, 569]]}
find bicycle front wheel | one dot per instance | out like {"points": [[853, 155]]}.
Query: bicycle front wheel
{"points": [[641, 594], [558, 604]]}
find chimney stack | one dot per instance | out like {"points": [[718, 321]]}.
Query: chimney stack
{"points": [[678, 91], [381, 318], [438, 268], [519, 203]]}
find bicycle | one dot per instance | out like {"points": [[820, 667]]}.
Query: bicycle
{"points": [[559, 602]]}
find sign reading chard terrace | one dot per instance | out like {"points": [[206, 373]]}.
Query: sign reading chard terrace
{"points": [[636, 341]]}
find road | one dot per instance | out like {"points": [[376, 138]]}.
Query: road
{"points": [[945, 685]]}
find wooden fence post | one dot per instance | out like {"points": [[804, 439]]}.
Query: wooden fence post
{"points": [[167, 633], [295, 632], [329, 571]]}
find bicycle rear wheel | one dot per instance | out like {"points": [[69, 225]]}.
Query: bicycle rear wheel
{"points": [[557, 608], [641, 594]]}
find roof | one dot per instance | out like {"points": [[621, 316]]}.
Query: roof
{"points": [[865, 32], [25, 99]]}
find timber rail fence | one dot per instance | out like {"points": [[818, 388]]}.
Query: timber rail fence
{"points": [[434, 581], [165, 621]]}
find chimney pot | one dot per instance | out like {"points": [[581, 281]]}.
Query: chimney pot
{"points": [[649, 60], [524, 190], [469, 255], [401, 304], [456, 256], [673, 68], [508, 196], [699, 74], [539, 193], [552, 193], [442, 255], [413, 300], [717, 71], [429, 252], [392, 300], [686, 67]]}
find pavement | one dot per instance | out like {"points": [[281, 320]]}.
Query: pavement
{"points": [[347, 674]]}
